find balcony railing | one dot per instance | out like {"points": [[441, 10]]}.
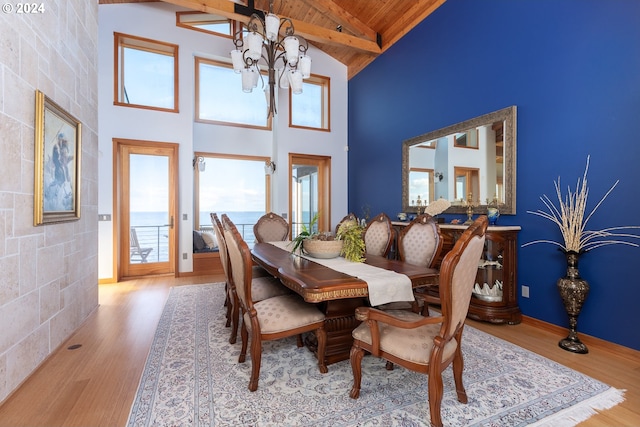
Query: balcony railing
{"points": [[157, 237]]}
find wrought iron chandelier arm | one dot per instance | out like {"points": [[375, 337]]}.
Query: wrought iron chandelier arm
{"points": [[279, 52], [289, 30], [267, 38], [252, 25], [238, 42]]}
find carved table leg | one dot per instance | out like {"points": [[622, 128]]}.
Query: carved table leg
{"points": [[339, 323]]}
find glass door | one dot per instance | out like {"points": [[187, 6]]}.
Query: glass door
{"points": [[147, 206], [309, 192], [467, 184]]}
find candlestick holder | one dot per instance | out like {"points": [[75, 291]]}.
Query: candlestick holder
{"points": [[419, 203], [470, 206]]}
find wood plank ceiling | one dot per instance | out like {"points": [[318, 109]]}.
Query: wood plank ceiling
{"points": [[353, 32]]}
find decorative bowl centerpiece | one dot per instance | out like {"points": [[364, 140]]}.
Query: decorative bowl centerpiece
{"points": [[348, 241], [322, 248]]}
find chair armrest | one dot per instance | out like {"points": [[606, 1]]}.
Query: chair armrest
{"points": [[365, 314], [428, 299]]}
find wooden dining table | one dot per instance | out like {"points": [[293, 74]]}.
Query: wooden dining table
{"points": [[337, 294]]}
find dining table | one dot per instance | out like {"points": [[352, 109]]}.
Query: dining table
{"points": [[335, 292]]}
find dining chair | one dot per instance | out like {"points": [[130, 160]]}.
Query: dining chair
{"points": [[224, 260], [272, 318], [379, 235], [419, 243], [349, 217], [422, 344], [271, 227], [264, 286]]}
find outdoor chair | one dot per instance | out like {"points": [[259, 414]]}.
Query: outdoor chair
{"points": [[135, 250]]}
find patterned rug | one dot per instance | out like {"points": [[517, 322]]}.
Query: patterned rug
{"points": [[192, 378]]}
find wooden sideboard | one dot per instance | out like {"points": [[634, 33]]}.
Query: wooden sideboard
{"points": [[495, 296]]}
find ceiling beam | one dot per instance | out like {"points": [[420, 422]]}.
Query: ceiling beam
{"points": [[308, 31], [344, 18]]}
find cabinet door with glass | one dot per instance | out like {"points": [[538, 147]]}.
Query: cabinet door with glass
{"points": [[495, 297]]}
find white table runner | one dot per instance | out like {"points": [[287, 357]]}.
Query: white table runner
{"points": [[384, 286]]}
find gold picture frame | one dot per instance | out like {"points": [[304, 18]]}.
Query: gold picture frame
{"points": [[57, 155]]}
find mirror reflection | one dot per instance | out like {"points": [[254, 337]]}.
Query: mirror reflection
{"points": [[472, 162]]}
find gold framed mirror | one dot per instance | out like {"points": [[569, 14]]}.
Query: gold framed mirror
{"points": [[432, 165]]}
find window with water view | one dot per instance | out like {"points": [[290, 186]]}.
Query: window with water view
{"points": [[235, 185]]}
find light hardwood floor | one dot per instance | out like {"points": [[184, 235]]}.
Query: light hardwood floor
{"points": [[94, 385]]}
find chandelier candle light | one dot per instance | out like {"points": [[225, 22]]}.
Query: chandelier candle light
{"points": [[271, 39]]}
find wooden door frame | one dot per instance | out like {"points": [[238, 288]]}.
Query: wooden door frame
{"points": [[471, 178], [431, 178], [118, 144], [324, 188]]}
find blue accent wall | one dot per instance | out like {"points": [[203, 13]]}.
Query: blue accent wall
{"points": [[572, 68]]}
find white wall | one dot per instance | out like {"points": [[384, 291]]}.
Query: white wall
{"points": [[48, 274], [157, 21]]}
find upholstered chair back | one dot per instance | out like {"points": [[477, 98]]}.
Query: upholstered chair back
{"points": [[378, 235], [420, 241], [222, 246], [271, 227], [462, 282], [240, 270]]}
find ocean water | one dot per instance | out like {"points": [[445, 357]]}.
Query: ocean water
{"points": [[155, 219], [161, 219], [247, 218], [244, 221]]}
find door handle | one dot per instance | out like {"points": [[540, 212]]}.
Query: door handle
{"points": [[171, 221]]}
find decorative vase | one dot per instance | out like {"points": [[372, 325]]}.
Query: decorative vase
{"points": [[492, 215], [574, 291]]}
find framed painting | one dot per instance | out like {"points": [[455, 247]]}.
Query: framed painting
{"points": [[56, 163]]}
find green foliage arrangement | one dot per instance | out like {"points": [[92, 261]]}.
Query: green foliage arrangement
{"points": [[352, 234], [306, 233]]}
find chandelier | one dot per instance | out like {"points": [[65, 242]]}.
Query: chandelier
{"points": [[271, 39]]}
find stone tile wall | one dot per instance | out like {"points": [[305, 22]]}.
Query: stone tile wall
{"points": [[48, 274]]}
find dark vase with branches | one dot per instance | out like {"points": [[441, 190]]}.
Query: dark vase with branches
{"points": [[573, 291], [570, 218]]}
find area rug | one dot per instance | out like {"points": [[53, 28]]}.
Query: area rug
{"points": [[192, 378]]}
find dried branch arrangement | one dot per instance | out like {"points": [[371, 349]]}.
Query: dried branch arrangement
{"points": [[570, 218]]}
